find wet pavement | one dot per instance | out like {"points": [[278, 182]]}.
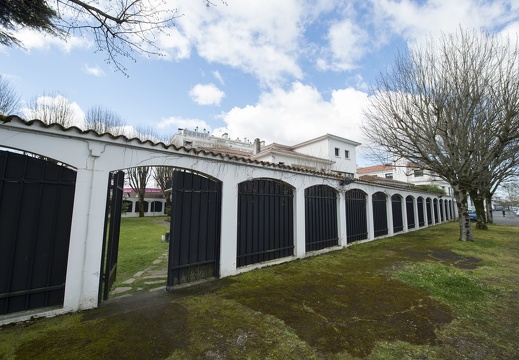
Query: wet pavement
{"points": [[510, 218]]}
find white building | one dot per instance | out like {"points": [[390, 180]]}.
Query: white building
{"points": [[202, 139], [327, 153], [340, 151], [406, 172]]}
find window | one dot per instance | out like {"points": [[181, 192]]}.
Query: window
{"points": [[389, 176], [346, 154], [337, 151], [418, 173]]}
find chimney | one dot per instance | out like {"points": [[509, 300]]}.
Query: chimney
{"points": [[256, 147]]}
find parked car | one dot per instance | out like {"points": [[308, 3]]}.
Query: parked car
{"points": [[473, 216]]}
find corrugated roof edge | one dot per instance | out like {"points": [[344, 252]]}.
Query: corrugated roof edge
{"points": [[10, 118]]}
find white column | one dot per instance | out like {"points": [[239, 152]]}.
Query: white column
{"points": [[369, 216], [341, 213], [299, 223], [415, 210], [389, 211], [229, 237]]}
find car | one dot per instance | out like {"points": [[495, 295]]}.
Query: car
{"points": [[473, 216]]}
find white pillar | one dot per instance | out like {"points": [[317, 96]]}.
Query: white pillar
{"points": [[341, 213], [389, 211], [369, 216], [299, 223], [229, 237]]}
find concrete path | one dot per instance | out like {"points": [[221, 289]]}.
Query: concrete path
{"points": [[153, 278]]}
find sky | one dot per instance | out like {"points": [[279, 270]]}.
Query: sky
{"points": [[284, 71]]}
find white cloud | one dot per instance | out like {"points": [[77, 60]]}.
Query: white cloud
{"points": [[175, 46], [299, 114], [416, 20], [207, 94], [182, 123], [218, 77], [261, 38], [93, 70], [31, 39], [348, 42]]}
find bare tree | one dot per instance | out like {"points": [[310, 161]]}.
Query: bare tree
{"points": [[103, 120], [501, 168], [451, 106], [51, 109], [163, 175], [9, 99], [511, 188], [120, 28], [138, 178]]}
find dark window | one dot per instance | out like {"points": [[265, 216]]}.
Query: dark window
{"points": [[346, 154], [389, 176], [418, 173], [336, 151]]}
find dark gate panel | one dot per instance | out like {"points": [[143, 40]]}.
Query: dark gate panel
{"points": [[421, 217], [435, 210], [379, 214], [398, 217], [442, 213], [409, 203], [36, 202], [194, 247], [320, 218], [265, 221], [356, 218], [428, 207], [114, 201]]}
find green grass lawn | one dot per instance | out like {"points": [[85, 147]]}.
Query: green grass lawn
{"points": [[139, 245], [420, 295]]}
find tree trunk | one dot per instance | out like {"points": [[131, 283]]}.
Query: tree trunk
{"points": [[463, 214], [141, 204], [488, 209], [479, 204]]}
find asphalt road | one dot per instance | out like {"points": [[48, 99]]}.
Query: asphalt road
{"points": [[510, 218]]}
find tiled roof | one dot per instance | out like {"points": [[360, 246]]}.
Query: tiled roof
{"points": [[113, 138], [275, 147], [375, 168], [230, 151]]}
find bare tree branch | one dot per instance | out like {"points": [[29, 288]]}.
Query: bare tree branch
{"points": [[9, 99]]}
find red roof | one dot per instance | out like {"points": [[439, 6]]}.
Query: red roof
{"points": [[375, 168]]}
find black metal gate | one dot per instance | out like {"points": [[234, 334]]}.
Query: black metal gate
{"points": [[435, 210], [379, 214], [409, 203], [320, 218], [265, 221], [428, 206], [356, 217], [36, 202], [421, 217], [194, 247], [398, 217], [112, 228]]}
